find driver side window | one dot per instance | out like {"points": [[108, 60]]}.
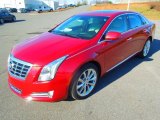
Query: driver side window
{"points": [[119, 24]]}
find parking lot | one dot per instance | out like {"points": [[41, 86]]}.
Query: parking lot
{"points": [[129, 92]]}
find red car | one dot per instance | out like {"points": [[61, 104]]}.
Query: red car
{"points": [[69, 59]]}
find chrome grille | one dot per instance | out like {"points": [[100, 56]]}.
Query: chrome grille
{"points": [[18, 68]]}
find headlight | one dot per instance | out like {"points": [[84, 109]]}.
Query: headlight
{"points": [[48, 72]]}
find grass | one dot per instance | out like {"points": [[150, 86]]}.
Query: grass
{"points": [[151, 10]]}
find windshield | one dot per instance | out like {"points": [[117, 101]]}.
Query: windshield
{"points": [[84, 27]]}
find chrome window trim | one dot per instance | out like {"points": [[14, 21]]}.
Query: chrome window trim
{"points": [[99, 41], [22, 62]]}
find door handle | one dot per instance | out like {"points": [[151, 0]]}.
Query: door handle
{"points": [[129, 39], [145, 31]]}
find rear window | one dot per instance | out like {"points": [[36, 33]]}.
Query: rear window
{"points": [[134, 21], [144, 20]]}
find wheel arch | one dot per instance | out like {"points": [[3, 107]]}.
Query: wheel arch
{"points": [[96, 63], [150, 38]]}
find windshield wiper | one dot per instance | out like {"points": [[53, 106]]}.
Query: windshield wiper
{"points": [[65, 34], [71, 35]]}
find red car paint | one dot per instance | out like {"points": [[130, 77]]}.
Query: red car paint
{"points": [[48, 47]]}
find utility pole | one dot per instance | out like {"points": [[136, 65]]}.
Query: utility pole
{"points": [[128, 5]]}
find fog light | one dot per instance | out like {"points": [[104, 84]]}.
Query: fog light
{"points": [[43, 94], [50, 94]]}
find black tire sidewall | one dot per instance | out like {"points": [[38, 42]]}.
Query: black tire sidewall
{"points": [[40, 11], [13, 19], [73, 92]]}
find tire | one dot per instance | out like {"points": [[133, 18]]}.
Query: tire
{"points": [[145, 51], [81, 86], [1, 21], [14, 19], [40, 11]]}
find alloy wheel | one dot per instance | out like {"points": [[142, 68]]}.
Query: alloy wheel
{"points": [[146, 48], [86, 82]]}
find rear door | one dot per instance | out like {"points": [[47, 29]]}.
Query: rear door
{"points": [[138, 32]]}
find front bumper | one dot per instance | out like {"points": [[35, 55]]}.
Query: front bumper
{"points": [[31, 89]]}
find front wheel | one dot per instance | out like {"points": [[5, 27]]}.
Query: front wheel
{"points": [[84, 82], [145, 49]]}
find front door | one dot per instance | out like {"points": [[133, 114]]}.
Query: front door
{"points": [[118, 50]]}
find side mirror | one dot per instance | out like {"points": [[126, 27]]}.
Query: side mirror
{"points": [[111, 35]]}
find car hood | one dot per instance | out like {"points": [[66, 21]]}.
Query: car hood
{"points": [[47, 47]]}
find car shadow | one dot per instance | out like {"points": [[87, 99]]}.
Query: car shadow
{"points": [[15, 21], [20, 20], [124, 68], [36, 33]]}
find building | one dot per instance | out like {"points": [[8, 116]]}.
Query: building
{"points": [[30, 4], [33, 4], [12, 4]]}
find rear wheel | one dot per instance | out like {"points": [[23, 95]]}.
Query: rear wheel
{"points": [[40, 11], [14, 19], [146, 49], [1, 21], [84, 82], [51, 10]]}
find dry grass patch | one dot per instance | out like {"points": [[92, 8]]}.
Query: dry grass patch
{"points": [[150, 10]]}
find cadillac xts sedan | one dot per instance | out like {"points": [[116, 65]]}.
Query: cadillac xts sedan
{"points": [[68, 60]]}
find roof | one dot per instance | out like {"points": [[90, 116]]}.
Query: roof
{"points": [[108, 13]]}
